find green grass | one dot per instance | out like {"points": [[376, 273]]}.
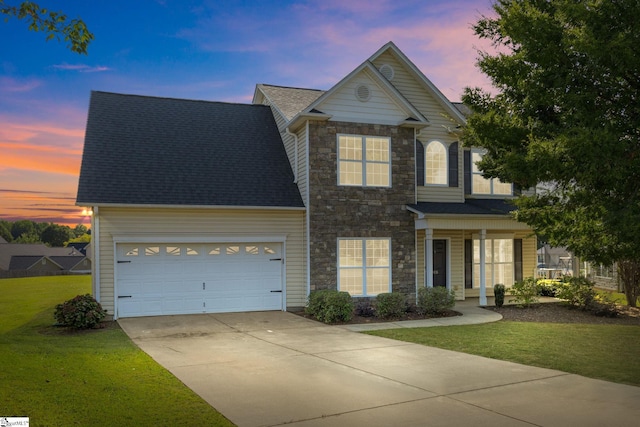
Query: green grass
{"points": [[90, 378], [608, 352]]}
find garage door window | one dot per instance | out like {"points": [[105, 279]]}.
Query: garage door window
{"points": [[152, 251], [173, 251], [132, 252], [364, 266]]}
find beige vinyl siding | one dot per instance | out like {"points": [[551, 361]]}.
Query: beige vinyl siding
{"points": [[416, 94], [529, 253], [476, 223], [303, 176], [217, 224], [379, 109], [432, 193]]}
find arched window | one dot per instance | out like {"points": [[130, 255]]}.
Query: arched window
{"points": [[435, 163]]}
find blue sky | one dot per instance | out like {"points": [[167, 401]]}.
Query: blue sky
{"points": [[209, 50]]}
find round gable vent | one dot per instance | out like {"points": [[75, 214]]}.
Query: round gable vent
{"points": [[363, 93], [387, 71]]}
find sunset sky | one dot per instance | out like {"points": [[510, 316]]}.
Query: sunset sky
{"points": [[207, 50]]}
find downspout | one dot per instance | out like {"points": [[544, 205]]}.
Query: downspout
{"points": [[295, 162], [95, 246]]}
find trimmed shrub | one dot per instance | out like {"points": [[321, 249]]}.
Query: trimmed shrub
{"points": [[330, 306], [498, 293], [525, 292], [81, 312], [435, 300], [578, 292], [391, 305]]}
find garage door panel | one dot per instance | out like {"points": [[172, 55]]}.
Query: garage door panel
{"points": [[195, 278]]}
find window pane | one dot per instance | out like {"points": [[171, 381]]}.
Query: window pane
{"points": [[350, 148], [475, 158], [191, 251], [501, 188], [132, 252], [377, 149], [377, 174], [350, 173], [377, 281], [173, 250], [377, 253], [436, 163], [481, 185], [351, 281], [350, 253], [503, 250], [503, 273], [152, 250]]}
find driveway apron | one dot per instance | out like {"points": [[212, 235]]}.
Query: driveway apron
{"points": [[276, 368]]}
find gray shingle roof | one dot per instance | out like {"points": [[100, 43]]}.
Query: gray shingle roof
{"points": [[160, 151], [289, 100], [23, 262], [469, 207]]}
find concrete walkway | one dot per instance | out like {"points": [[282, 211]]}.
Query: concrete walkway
{"points": [[276, 368]]}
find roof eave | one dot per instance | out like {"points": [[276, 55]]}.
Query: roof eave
{"points": [[166, 206], [301, 118]]}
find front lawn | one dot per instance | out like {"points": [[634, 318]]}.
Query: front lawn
{"points": [[608, 352], [90, 378]]}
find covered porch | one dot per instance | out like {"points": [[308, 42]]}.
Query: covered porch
{"points": [[470, 247]]}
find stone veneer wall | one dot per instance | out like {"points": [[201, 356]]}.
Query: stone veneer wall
{"points": [[341, 211]]}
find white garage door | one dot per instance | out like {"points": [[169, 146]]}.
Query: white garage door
{"points": [[157, 279]]}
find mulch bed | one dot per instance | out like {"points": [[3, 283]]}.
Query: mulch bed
{"points": [[553, 312], [558, 312]]}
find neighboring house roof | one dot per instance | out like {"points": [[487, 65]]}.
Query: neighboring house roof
{"points": [[142, 150], [289, 100], [80, 247], [2, 240], [466, 111], [31, 249], [67, 262], [469, 207], [24, 262]]}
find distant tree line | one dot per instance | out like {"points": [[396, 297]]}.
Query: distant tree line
{"points": [[55, 235]]}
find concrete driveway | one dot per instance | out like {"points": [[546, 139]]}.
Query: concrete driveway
{"points": [[276, 368]]}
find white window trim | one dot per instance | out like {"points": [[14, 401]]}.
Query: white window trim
{"points": [[446, 161], [363, 161], [491, 192], [364, 262]]}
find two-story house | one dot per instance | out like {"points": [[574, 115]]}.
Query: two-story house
{"points": [[210, 207]]}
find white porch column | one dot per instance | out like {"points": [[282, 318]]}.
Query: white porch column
{"points": [[483, 276], [428, 249]]}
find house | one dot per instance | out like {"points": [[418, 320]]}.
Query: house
{"points": [[32, 259], [210, 207]]}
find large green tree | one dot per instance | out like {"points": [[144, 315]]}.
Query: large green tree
{"points": [[55, 24], [566, 115]]}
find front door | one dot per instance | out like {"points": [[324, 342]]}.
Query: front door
{"points": [[440, 263]]}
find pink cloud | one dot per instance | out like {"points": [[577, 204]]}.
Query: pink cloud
{"points": [[11, 85], [81, 68]]}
